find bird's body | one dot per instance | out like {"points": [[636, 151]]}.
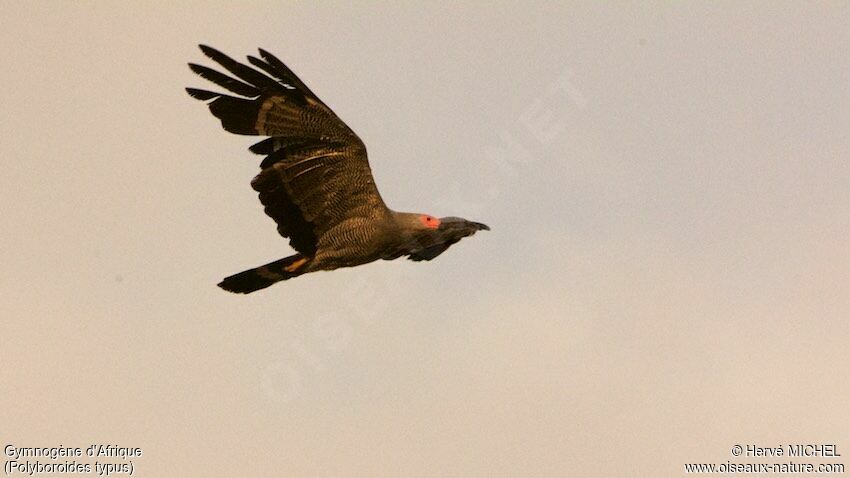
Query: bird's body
{"points": [[315, 180]]}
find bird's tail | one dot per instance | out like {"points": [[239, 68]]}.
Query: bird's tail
{"points": [[261, 277]]}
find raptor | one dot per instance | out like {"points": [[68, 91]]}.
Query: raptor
{"points": [[315, 180]]}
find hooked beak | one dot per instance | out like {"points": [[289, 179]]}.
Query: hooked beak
{"points": [[459, 224]]}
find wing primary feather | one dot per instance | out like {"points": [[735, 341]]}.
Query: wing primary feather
{"points": [[243, 72], [283, 72], [283, 80], [286, 82], [225, 81], [202, 95]]}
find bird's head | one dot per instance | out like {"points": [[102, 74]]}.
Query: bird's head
{"points": [[442, 226], [428, 230]]}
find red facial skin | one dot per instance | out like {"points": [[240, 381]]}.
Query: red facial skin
{"points": [[429, 221]]}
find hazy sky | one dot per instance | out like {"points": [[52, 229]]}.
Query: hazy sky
{"points": [[667, 275]]}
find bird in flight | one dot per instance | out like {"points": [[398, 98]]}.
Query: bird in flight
{"points": [[315, 180]]}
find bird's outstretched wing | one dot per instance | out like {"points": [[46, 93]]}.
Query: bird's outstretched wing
{"points": [[315, 176]]}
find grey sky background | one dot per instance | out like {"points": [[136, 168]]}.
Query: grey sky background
{"points": [[668, 272]]}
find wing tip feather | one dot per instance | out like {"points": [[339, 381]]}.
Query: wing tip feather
{"points": [[202, 95]]}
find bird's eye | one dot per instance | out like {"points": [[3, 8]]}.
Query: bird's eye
{"points": [[430, 221]]}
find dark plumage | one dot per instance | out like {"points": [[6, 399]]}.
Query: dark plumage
{"points": [[315, 180]]}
